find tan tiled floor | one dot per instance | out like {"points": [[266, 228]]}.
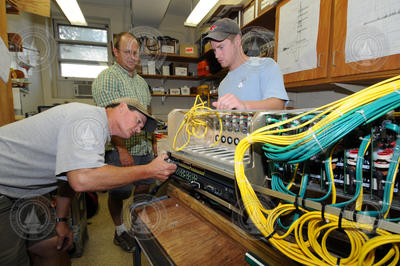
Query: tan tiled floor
{"points": [[99, 248]]}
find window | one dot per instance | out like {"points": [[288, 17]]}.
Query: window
{"points": [[82, 51]]}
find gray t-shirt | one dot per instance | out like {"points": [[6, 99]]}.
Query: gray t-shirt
{"points": [[255, 80], [34, 151]]}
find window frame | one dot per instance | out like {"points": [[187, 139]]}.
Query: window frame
{"points": [[58, 41]]}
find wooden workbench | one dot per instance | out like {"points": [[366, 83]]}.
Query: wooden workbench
{"points": [[179, 230]]}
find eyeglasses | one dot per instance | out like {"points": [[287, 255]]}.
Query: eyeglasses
{"points": [[129, 52]]}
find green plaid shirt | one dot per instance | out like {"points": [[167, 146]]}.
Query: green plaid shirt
{"points": [[115, 82]]}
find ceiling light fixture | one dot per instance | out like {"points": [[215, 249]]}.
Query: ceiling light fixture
{"points": [[199, 12], [71, 10]]}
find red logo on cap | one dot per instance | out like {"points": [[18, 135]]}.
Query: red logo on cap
{"points": [[212, 27]]}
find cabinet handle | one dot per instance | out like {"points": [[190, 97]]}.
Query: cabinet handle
{"points": [[333, 58], [319, 60]]}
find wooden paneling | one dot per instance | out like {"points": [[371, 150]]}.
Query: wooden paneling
{"points": [[6, 100]]}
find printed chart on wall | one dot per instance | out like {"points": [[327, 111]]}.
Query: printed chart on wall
{"points": [[373, 29], [297, 36]]}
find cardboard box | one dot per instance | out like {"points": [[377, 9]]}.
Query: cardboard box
{"points": [[189, 50], [145, 70], [249, 13], [165, 70], [158, 91], [185, 90], [175, 91], [265, 4], [151, 67], [181, 69], [168, 46]]}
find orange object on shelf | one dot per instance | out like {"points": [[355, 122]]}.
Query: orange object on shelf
{"points": [[203, 90], [203, 69]]}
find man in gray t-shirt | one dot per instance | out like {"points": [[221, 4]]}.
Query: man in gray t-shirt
{"points": [[251, 83], [67, 142]]}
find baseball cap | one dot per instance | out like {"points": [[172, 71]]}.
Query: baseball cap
{"points": [[221, 29], [151, 123]]}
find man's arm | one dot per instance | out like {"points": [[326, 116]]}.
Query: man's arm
{"points": [[230, 102], [63, 202], [108, 176], [267, 104], [154, 144], [125, 158]]}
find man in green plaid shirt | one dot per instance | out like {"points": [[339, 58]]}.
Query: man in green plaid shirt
{"points": [[121, 80]]}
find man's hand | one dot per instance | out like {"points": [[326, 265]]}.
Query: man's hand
{"points": [[64, 236], [125, 158], [229, 102], [160, 168]]}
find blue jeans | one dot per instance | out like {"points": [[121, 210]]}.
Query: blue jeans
{"points": [[124, 192]]}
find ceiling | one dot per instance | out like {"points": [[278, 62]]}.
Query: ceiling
{"points": [[157, 8]]}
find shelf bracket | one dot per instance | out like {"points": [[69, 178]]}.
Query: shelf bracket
{"points": [[163, 98]]}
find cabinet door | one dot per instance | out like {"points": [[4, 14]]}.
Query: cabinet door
{"points": [[6, 100], [304, 40], [370, 29]]}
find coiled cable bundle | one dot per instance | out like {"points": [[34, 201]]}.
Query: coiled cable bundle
{"points": [[195, 124], [318, 135]]}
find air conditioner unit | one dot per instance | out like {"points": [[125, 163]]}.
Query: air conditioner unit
{"points": [[82, 89]]}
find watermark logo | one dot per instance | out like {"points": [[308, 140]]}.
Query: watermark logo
{"points": [[150, 45], [366, 49], [371, 209], [242, 219], [258, 41], [39, 49], [32, 218], [152, 219], [89, 133]]}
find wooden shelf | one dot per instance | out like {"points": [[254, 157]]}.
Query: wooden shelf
{"points": [[174, 57], [180, 95], [169, 77]]}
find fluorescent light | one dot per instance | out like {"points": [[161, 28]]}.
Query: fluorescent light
{"points": [[199, 12], [71, 10]]}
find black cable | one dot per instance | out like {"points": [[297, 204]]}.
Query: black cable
{"points": [[355, 215], [323, 212], [303, 202], [270, 235], [338, 261], [340, 218], [295, 203], [375, 225]]}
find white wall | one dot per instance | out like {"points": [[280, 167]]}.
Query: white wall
{"points": [[313, 99]]}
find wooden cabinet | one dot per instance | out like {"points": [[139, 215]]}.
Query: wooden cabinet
{"points": [[331, 66], [381, 66], [322, 45]]}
